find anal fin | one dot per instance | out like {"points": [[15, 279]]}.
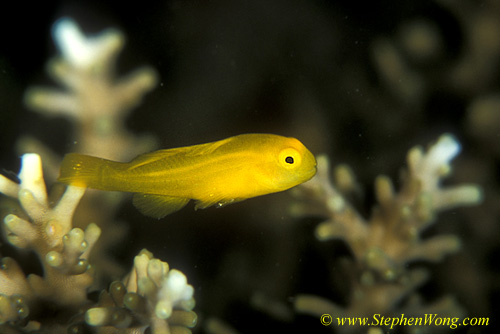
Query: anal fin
{"points": [[158, 206]]}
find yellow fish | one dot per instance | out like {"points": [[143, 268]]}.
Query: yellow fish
{"points": [[217, 173]]}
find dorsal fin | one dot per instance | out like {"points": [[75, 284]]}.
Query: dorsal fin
{"points": [[194, 150], [207, 148], [158, 206]]}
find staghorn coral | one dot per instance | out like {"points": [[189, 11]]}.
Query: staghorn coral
{"points": [[362, 110], [156, 297], [384, 245], [158, 300], [92, 98], [62, 250], [96, 103], [150, 294]]}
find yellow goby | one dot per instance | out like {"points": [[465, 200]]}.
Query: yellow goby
{"points": [[216, 173]]}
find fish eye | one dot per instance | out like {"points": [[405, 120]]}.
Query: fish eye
{"points": [[289, 158]]}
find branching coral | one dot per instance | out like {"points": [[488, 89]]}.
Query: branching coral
{"points": [[96, 103], [152, 297], [47, 230], [156, 297], [150, 294], [385, 244], [93, 99], [382, 274]]}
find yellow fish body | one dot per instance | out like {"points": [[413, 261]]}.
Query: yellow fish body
{"points": [[220, 172]]}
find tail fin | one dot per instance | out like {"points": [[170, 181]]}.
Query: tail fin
{"points": [[81, 170]]}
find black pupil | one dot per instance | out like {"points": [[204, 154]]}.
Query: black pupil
{"points": [[289, 160]]}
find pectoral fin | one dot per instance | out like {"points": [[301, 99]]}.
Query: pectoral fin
{"points": [[158, 206]]}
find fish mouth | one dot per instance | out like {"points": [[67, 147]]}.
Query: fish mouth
{"points": [[310, 173]]}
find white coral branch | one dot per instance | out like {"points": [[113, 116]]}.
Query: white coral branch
{"points": [[393, 230], [93, 98], [85, 52], [151, 296], [429, 168], [165, 288], [385, 243], [48, 225], [48, 231]]}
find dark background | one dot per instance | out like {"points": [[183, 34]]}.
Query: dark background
{"points": [[301, 68]]}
